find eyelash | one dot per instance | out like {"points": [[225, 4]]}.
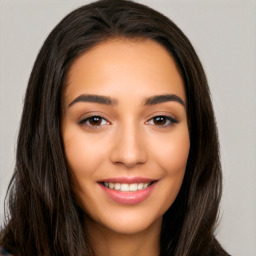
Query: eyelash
{"points": [[87, 119], [171, 121]]}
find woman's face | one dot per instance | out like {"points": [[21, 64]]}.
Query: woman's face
{"points": [[125, 133]]}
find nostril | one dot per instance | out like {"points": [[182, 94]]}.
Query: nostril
{"points": [[127, 164]]}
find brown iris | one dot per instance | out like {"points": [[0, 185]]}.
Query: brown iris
{"points": [[159, 120], [95, 120]]}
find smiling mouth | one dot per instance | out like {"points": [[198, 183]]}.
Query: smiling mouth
{"points": [[124, 187], [128, 190]]}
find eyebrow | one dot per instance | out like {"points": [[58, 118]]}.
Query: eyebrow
{"points": [[95, 99], [163, 98], [105, 100]]}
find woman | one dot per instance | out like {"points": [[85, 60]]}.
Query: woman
{"points": [[118, 150]]}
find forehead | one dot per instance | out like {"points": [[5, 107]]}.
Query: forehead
{"points": [[136, 67]]}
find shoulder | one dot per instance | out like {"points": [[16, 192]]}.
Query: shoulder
{"points": [[3, 252]]}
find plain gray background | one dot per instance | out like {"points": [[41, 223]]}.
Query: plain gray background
{"points": [[224, 35]]}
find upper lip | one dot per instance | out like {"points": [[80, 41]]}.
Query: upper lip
{"points": [[127, 180]]}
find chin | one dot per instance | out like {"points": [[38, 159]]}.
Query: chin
{"points": [[128, 222]]}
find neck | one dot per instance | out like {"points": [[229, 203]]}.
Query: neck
{"points": [[105, 242]]}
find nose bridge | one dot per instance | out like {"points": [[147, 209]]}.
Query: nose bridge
{"points": [[129, 147]]}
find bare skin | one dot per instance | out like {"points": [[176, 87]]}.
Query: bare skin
{"points": [[124, 126], [112, 243]]}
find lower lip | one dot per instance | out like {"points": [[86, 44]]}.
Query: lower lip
{"points": [[129, 197]]}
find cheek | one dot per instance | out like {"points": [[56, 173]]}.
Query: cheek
{"points": [[172, 157], [83, 154], [173, 154]]}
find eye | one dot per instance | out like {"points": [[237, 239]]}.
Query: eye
{"points": [[94, 121], [162, 121]]}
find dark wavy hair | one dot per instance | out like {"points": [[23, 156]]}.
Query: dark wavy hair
{"points": [[43, 217]]}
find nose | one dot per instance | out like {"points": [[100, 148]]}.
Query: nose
{"points": [[129, 148]]}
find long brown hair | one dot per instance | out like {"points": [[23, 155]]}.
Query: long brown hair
{"points": [[44, 218]]}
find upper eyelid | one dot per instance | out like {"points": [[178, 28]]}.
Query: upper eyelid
{"points": [[167, 114], [84, 119], [93, 114], [170, 118], [163, 112]]}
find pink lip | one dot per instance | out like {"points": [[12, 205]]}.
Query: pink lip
{"points": [[128, 197]]}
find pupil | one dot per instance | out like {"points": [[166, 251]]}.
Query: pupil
{"points": [[160, 120], [95, 120]]}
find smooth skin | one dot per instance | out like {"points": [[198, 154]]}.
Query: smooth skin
{"points": [[125, 137]]}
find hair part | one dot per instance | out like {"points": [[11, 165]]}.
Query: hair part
{"points": [[45, 218]]}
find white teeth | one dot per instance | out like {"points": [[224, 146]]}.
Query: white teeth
{"points": [[133, 187], [140, 186], [127, 187], [145, 185], [117, 186]]}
